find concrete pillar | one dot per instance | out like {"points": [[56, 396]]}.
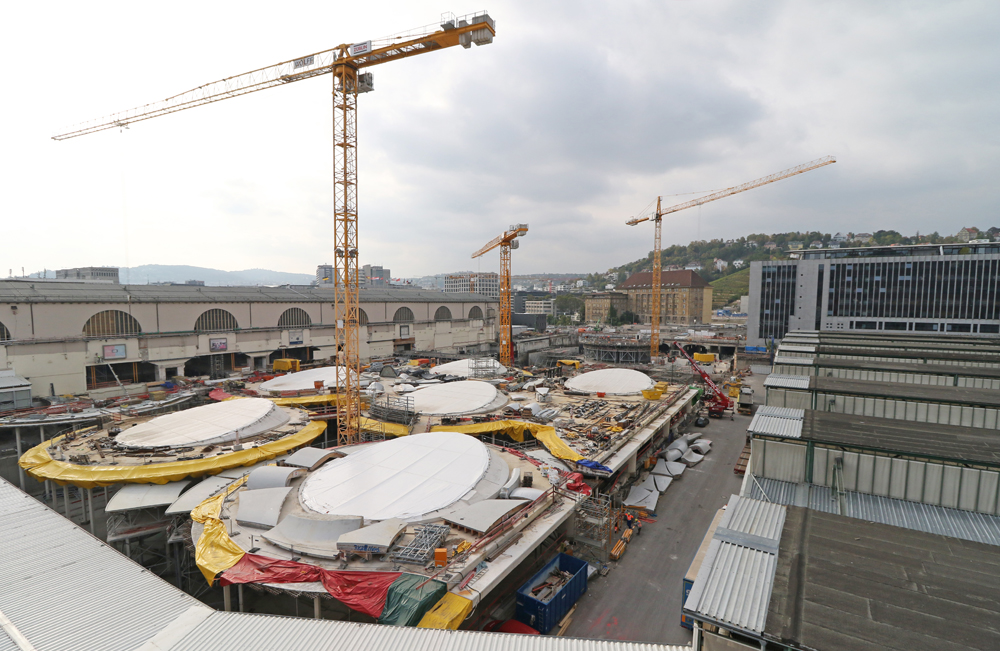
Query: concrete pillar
{"points": [[227, 599], [90, 502], [631, 465], [239, 593], [20, 470], [316, 608]]}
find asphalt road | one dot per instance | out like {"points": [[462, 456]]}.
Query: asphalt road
{"points": [[640, 599]]}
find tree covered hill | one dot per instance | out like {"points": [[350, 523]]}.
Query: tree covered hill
{"points": [[755, 247]]}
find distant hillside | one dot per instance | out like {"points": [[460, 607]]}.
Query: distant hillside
{"points": [[727, 289], [163, 273]]}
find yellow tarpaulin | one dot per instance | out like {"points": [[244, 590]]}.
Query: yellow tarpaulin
{"points": [[215, 551], [41, 466], [570, 362], [448, 613], [313, 401], [392, 429], [515, 430]]}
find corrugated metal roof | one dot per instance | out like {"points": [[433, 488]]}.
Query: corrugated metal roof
{"points": [[799, 361], [781, 412], [734, 583], [238, 632], [55, 292], [64, 589], [11, 381], [777, 421], [787, 381], [966, 525], [796, 349]]}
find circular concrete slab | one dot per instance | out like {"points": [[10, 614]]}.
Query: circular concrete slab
{"points": [[611, 381]]}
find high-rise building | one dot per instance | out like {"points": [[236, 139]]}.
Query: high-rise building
{"points": [[944, 288], [487, 284], [368, 275]]}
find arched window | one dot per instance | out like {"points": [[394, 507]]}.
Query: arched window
{"points": [[442, 314], [111, 323], [476, 312], [362, 318], [4, 333], [215, 320], [403, 315], [294, 317]]}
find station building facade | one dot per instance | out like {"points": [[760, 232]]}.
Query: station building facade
{"points": [[950, 289], [74, 337]]}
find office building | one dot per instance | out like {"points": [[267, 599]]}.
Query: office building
{"points": [[940, 288]]}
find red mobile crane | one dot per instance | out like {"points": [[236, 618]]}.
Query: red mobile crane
{"points": [[720, 402]]}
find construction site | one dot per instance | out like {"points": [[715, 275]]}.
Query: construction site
{"points": [[338, 466]]}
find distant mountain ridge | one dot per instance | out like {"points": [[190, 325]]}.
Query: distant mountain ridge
{"points": [[176, 273]]}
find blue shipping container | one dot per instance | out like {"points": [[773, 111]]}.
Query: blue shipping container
{"points": [[542, 616]]}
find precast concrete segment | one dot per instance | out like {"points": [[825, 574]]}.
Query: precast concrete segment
{"points": [[330, 376], [612, 382], [402, 478], [222, 422], [453, 398]]}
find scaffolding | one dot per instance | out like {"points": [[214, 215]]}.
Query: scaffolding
{"points": [[482, 368], [420, 550], [393, 409], [593, 524]]}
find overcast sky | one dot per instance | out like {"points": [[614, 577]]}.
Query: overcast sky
{"points": [[575, 118]]}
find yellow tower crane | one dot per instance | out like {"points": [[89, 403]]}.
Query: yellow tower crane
{"points": [[345, 62], [657, 216], [506, 242]]}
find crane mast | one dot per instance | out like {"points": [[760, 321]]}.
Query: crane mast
{"points": [[345, 63], [657, 218], [506, 242]]}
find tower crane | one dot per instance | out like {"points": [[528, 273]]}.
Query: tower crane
{"points": [[346, 63], [657, 216], [506, 242]]}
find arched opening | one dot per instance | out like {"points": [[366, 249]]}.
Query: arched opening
{"points": [[294, 317], [476, 312], [362, 318], [4, 333], [101, 376], [442, 314], [215, 320], [403, 315], [111, 323]]}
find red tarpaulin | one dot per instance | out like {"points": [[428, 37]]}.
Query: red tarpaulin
{"points": [[575, 483], [364, 592], [218, 395]]}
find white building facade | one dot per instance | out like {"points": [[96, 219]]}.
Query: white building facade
{"points": [[77, 337]]}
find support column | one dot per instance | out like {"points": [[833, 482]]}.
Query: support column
{"points": [[316, 608], [631, 465], [227, 599], [20, 470], [90, 502], [239, 593]]}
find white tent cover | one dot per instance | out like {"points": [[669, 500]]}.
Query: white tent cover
{"points": [[221, 422], [463, 368], [465, 397], [330, 376], [402, 478], [611, 381]]}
